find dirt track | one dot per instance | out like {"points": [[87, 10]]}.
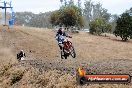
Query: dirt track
{"points": [[102, 55]]}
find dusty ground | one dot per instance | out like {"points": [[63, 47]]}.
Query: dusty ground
{"points": [[43, 66]]}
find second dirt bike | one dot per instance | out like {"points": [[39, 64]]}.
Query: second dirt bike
{"points": [[67, 50]]}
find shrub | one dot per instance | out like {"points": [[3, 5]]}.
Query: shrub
{"points": [[99, 25], [16, 76], [124, 27]]}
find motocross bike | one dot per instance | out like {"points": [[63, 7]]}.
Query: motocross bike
{"points": [[67, 49]]}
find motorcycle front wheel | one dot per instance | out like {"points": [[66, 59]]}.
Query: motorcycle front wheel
{"points": [[72, 52]]}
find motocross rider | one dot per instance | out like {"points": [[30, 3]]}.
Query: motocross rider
{"points": [[60, 37]]}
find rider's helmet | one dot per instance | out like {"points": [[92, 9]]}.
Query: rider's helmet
{"points": [[21, 50], [60, 31]]}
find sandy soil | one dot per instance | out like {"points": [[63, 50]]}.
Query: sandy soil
{"points": [[102, 55]]}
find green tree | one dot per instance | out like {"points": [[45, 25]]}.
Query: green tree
{"points": [[99, 25], [67, 16], [124, 26]]}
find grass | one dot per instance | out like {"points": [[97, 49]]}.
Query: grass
{"points": [[42, 81], [4, 69], [40, 44]]}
